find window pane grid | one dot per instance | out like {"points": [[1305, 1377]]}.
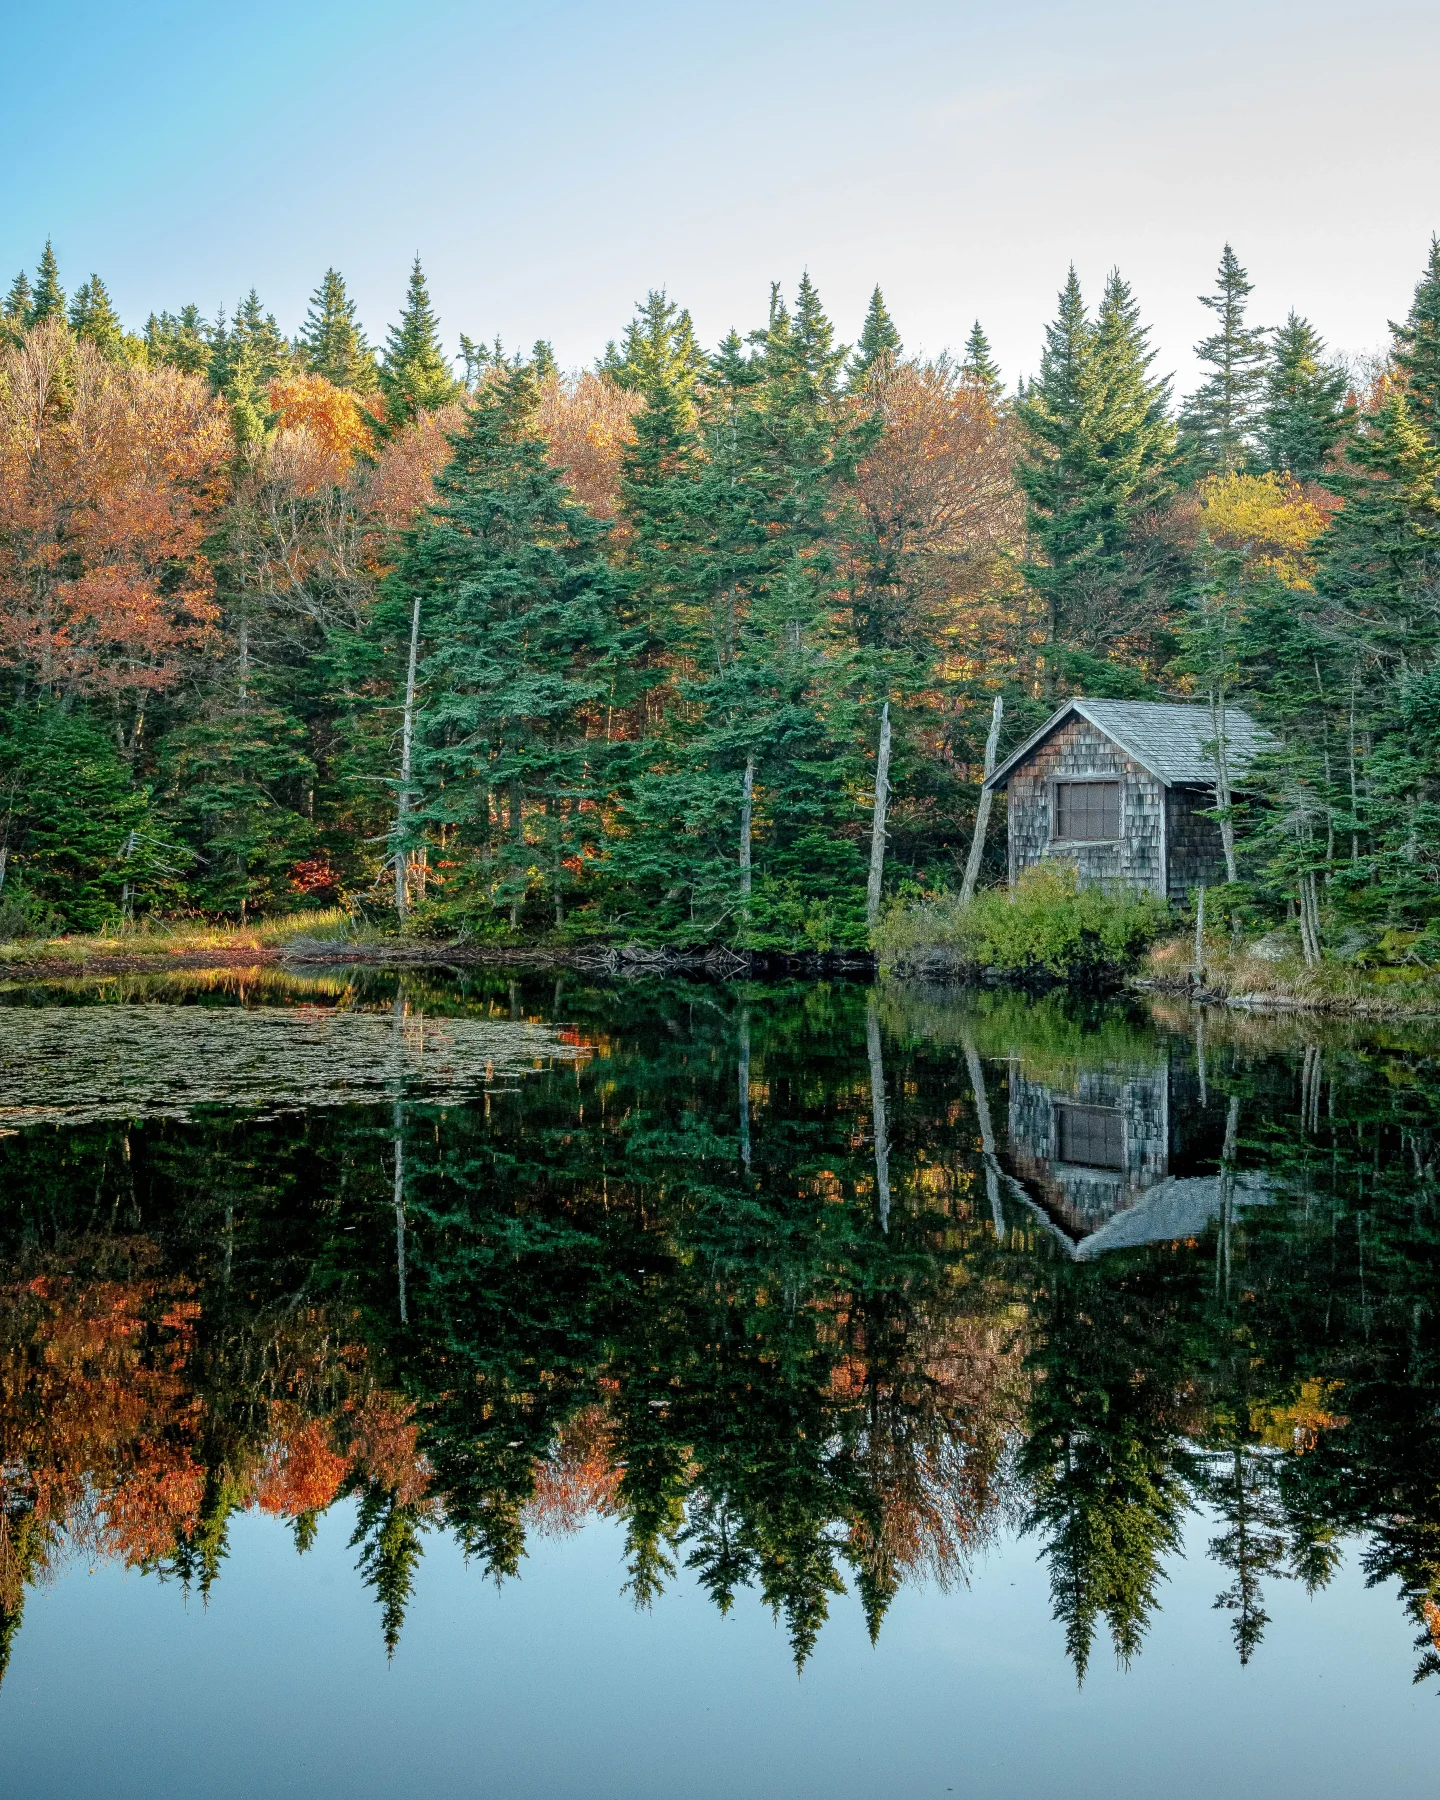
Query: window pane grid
{"points": [[1087, 810], [1093, 1136]]}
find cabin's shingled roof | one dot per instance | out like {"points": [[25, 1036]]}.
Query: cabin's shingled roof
{"points": [[1166, 738]]}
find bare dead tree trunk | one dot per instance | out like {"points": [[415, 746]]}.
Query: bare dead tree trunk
{"points": [[1200, 934], [877, 825], [1224, 798], [877, 1110], [982, 811], [747, 809], [1309, 920], [517, 839], [402, 802]]}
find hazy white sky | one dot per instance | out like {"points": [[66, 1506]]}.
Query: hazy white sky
{"points": [[552, 161]]}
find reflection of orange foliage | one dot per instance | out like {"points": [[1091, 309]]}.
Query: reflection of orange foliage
{"points": [[94, 1408], [1432, 1621], [334, 419], [384, 1442], [301, 1472], [579, 1479]]}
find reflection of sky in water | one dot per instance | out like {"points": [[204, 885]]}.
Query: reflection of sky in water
{"points": [[872, 1273], [555, 1689]]}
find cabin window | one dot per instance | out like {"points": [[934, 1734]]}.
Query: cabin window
{"points": [[1087, 811], [1093, 1136]]}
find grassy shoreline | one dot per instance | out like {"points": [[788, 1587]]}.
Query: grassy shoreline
{"points": [[1238, 978]]}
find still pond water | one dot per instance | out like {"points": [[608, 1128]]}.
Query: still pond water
{"points": [[416, 1386]]}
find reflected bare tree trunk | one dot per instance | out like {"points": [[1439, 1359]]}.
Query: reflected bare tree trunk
{"points": [[1227, 1195], [744, 1082], [877, 1108], [398, 1144], [400, 1206], [987, 1134]]}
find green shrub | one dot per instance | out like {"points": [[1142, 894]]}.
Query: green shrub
{"points": [[1048, 929]]}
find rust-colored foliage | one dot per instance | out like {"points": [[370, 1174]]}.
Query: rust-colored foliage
{"points": [[934, 503], [587, 424], [109, 478], [580, 1480], [338, 426], [302, 1472]]}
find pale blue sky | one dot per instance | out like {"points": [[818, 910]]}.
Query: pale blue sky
{"points": [[552, 161]]}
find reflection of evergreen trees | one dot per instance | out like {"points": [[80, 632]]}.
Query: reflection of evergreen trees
{"points": [[638, 1283]]}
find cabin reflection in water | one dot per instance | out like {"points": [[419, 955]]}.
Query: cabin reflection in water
{"points": [[1125, 1156]]}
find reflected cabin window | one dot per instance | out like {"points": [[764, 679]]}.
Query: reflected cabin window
{"points": [[1093, 1136], [1087, 810]]}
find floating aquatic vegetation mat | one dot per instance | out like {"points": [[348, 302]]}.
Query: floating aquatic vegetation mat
{"points": [[72, 1064]]}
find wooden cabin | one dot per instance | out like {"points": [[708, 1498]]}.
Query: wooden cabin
{"points": [[1119, 788]]}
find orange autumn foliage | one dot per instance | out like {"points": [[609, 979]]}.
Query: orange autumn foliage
{"points": [[109, 478], [588, 424], [335, 421]]}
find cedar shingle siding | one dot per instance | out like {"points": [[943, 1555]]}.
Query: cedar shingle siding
{"points": [[1157, 756]]}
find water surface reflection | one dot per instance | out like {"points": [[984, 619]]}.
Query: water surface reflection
{"points": [[806, 1287]]}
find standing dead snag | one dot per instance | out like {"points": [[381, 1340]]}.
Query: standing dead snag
{"points": [[877, 828], [982, 811], [747, 804], [407, 733]]}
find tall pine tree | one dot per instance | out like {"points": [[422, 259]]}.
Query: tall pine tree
{"points": [[416, 376], [1304, 414], [93, 318], [879, 341], [1417, 349], [979, 367], [48, 300], [1098, 457], [1218, 422], [525, 658], [15, 312], [331, 340]]}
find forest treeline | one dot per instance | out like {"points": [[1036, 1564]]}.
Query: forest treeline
{"points": [[607, 654]]}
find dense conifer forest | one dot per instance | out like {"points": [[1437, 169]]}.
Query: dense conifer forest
{"points": [[516, 653]]}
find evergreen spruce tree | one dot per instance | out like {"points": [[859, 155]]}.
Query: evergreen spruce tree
{"points": [[1218, 422], [415, 375], [879, 341], [179, 341], [525, 649], [48, 301], [15, 312], [979, 367], [542, 361], [93, 317], [1099, 454], [1304, 414], [1379, 568], [331, 340], [1417, 349], [733, 519]]}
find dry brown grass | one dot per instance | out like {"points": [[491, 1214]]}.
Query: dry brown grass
{"points": [[1236, 975]]}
